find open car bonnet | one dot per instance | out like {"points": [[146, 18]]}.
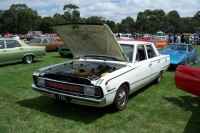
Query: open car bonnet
{"points": [[85, 39]]}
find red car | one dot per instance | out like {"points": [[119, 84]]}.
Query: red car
{"points": [[187, 78]]}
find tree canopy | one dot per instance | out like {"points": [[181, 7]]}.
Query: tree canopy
{"points": [[19, 19]]}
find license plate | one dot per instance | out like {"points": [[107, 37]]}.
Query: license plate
{"points": [[63, 98]]}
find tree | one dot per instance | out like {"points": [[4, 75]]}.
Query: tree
{"points": [[1, 19], [175, 20], [150, 21], [45, 23], [19, 19], [59, 19], [95, 19], [112, 26], [72, 14]]}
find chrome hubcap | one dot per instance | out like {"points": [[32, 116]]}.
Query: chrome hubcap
{"points": [[122, 97]]}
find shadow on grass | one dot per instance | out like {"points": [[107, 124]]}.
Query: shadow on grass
{"points": [[65, 110], [20, 63], [140, 90], [192, 104]]}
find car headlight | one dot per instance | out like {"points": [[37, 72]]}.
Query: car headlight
{"points": [[89, 90], [40, 81]]}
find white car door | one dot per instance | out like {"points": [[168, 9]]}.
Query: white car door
{"points": [[155, 62], [142, 67]]}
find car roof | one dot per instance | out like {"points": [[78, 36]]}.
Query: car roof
{"points": [[7, 38], [134, 42]]}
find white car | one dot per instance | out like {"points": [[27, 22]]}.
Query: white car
{"points": [[161, 37], [106, 73]]}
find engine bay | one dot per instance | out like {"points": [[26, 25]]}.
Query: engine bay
{"points": [[82, 71]]}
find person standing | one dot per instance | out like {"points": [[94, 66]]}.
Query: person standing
{"points": [[182, 39], [175, 36], [169, 39], [178, 39], [187, 39], [195, 40], [155, 40]]}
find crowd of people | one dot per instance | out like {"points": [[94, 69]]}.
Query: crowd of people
{"points": [[181, 38]]}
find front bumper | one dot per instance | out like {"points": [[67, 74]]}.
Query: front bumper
{"points": [[71, 98]]}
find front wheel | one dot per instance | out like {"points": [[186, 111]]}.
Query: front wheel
{"points": [[121, 98], [62, 55], [28, 59]]}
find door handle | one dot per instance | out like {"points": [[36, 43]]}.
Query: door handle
{"points": [[150, 65], [158, 61]]}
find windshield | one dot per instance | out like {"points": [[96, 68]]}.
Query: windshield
{"points": [[176, 47], [128, 49], [35, 40]]}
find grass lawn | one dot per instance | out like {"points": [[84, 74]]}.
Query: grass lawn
{"points": [[160, 108]]}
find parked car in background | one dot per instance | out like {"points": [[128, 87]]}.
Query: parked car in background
{"points": [[57, 37], [14, 36], [180, 53], [33, 37], [64, 51], [22, 36], [146, 36], [187, 78], [50, 43], [104, 71], [126, 36], [161, 38], [15, 50]]}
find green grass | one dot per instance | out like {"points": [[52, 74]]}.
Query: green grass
{"points": [[160, 108]]}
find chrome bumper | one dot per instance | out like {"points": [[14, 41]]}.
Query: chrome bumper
{"points": [[72, 99]]}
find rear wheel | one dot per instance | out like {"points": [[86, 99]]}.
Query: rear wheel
{"points": [[28, 59], [158, 78], [121, 98]]}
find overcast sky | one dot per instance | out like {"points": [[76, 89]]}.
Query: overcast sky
{"points": [[115, 10]]}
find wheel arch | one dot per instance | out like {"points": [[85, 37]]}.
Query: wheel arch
{"points": [[28, 54]]}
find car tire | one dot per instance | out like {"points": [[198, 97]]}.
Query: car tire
{"points": [[28, 59], [58, 47], [158, 78], [121, 98], [61, 54]]}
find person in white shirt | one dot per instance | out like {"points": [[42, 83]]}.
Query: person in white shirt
{"points": [[178, 39]]}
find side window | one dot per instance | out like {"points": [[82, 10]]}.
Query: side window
{"points": [[190, 48], [150, 51], [12, 44], [44, 41], [52, 40], [2, 46], [141, 54]]}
